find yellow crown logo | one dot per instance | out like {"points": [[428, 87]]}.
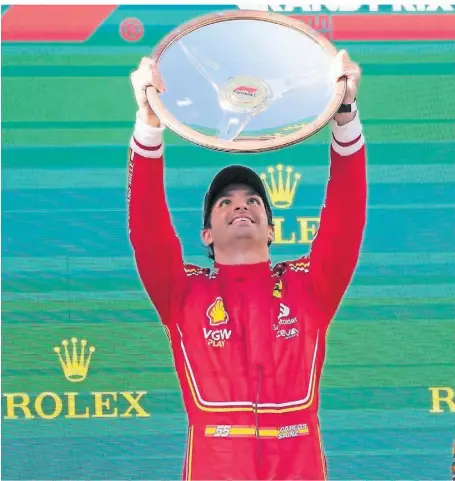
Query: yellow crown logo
{"points": [[281, 190], [75, 366], [217, 313]]}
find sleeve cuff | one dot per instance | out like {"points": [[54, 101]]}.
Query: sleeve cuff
{"points": [[347, 139], [147, 141]]}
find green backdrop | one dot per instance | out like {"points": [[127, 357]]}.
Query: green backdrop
{"points": [[67, 268]]}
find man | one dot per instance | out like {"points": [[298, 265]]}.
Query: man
{"points": [[248, 338]]}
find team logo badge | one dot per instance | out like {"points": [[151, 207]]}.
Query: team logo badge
{"points": [[278, 288], [217, 313]]}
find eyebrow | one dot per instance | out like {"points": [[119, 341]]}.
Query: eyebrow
{"points": [[228, 193]]}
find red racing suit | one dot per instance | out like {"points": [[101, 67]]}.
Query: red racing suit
{"points": [[248, 341]]}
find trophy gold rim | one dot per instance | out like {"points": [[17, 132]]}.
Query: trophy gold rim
{"points": [[245, 144]]}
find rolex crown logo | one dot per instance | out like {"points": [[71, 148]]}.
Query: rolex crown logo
{"points": [[217, 313], [75, 365], [281, 187]]}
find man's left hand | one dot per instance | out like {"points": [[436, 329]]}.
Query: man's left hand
{"points": [[345, 67]]}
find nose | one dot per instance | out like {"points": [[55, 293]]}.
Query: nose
{"points": [[240, 205]]}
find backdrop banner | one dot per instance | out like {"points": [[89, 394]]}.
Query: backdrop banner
{"points": [[88, 383]]}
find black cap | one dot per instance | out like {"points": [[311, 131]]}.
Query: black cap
{"points": [[234, 174]]}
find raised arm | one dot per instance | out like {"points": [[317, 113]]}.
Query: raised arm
{"points": [[335, 248], [157, 249]]}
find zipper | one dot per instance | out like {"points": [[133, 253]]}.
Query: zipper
{"points": [[256, 416]]}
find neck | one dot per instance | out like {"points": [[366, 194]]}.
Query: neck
{"points": [[235, 255]]}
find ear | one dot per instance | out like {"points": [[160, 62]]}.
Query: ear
{"points": [[206, 235], [271, 233]]}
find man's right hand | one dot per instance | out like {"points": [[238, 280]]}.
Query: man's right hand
{"points": [[145, 76]]}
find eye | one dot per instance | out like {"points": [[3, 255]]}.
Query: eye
{"points": [[224, 202], [254, 200]]}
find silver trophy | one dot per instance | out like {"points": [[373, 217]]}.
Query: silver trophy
{"points": [[246, 81]]}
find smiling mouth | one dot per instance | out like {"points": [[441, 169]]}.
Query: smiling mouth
{"points": [[242, 220]]}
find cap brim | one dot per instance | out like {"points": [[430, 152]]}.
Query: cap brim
{"points": [[234, 174]]}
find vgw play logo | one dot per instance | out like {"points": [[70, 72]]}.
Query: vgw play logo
{"points": [[75, 359]]}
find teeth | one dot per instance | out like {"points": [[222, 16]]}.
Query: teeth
{"points": [[241, 219]]}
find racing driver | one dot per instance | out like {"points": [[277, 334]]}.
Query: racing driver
{"points": [[248, 337]]}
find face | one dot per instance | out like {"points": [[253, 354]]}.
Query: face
{"points": [[238, 213]]}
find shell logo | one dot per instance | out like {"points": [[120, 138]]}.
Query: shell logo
{"points": [[217, 313]]}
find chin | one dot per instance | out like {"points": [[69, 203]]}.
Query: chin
{"points": [[239, 235]]}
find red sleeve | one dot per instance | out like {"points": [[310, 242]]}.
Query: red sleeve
{"points": [[157, 249], [335, 248]]}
